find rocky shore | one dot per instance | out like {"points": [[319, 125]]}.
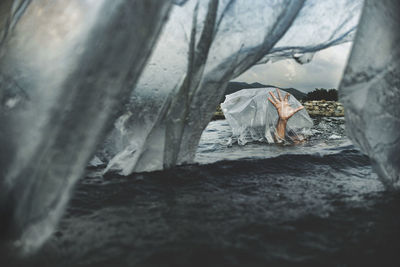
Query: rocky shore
{"points": [[314, 108], [218, 114], [324, 108]]}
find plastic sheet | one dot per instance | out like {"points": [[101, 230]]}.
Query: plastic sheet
{"points": [[66, 69], [370, 89], [204, 45], [253, 118]]}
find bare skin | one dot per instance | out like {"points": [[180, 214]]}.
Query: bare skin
{"points": [[285, 112]]}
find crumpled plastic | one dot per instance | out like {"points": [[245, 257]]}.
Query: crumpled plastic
{"points": [[253, 118]]}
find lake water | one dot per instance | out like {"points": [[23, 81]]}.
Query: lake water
{"points": [[318, 203]]}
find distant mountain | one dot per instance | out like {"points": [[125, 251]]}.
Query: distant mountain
{"points": [[237, 86]]}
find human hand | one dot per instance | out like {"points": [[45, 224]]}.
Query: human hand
{"points": [[285, 111]]}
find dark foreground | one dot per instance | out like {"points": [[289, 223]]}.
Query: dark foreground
{"points": [[290, 210], [324, 208]]}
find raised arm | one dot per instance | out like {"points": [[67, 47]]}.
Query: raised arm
{"points": [[285, 112]]}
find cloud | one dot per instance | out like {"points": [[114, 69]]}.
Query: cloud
{"points": [[291, 70], [325, 70]]}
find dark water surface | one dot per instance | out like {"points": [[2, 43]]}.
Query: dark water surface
{"points": [[314, 204]]}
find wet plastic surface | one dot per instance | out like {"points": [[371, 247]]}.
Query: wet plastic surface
{"points": [[253, 118]]}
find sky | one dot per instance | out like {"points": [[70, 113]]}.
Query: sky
{"points": [[324, 71]]}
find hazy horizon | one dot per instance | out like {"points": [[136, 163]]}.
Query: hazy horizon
{"points": [[324, 71]]}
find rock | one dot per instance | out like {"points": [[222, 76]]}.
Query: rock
{"points": [[324, 108]]}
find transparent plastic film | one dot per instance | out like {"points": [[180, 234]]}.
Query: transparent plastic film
{"points": [[253, 118]]}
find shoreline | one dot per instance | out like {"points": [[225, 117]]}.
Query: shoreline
{"points": [[315, 108]]}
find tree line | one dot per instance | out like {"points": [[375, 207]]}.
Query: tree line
{"points": [[322, 94]]}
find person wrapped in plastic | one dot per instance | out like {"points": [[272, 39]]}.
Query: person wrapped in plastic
{"points": [[262, 116], [285, 112]]}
